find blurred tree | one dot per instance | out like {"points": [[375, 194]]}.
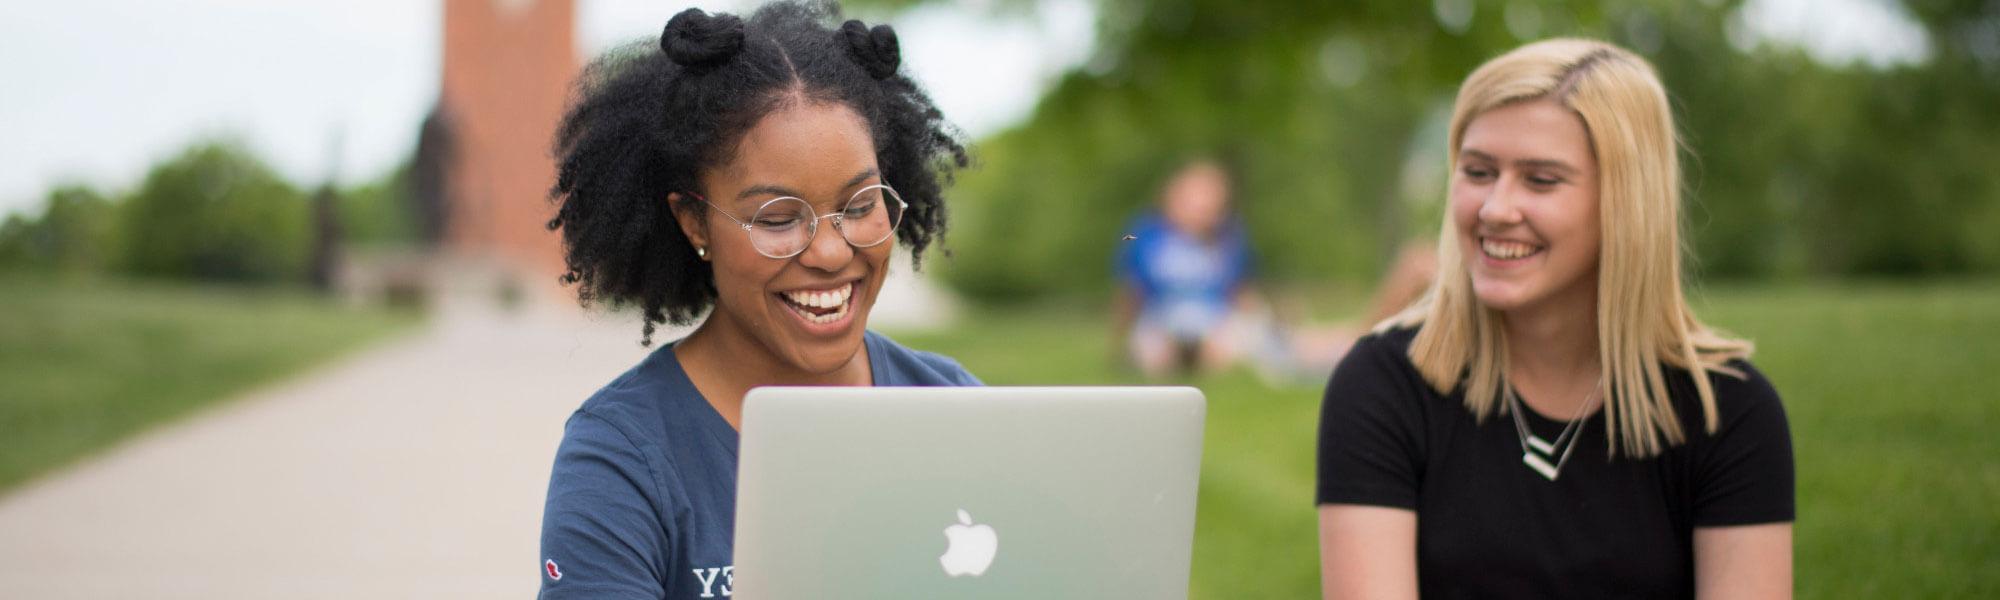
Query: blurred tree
{"points": [[1915, 189], [1330, 116], [213, 212], [424, 181], [329, 239], [75, 234], [15, 233], [380, 211], [216, 212]]}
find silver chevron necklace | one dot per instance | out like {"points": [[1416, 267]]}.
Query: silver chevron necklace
{"points": [[1536, 452]]}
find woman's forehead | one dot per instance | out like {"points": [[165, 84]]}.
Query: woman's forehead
{"points": [[809, 148], [1541, 130]]}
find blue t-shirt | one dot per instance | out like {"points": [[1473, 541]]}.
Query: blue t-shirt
{"points": [[1186, 284], [642, 502]]}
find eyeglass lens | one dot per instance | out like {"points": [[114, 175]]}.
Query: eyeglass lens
{"points": [[783, 228]]}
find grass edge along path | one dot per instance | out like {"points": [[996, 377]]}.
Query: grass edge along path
{"points": [[85, 365]]}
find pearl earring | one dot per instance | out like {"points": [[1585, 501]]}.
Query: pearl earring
{"points": [[700, 252]]}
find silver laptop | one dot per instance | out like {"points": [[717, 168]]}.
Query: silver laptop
{"points": [[993, 492]]}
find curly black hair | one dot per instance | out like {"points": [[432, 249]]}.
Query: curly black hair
{"points": [[648, 119]]}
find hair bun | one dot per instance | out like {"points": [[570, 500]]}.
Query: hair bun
{"points": [[876, 49], [696, 38]]}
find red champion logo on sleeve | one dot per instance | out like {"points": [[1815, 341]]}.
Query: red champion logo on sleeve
{"points": [[549, 566]]}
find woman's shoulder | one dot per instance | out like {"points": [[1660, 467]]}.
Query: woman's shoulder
{"points": [[1743, 390], [1395, 339], [1737, 383], [898, 365], [1377, 370], [1742, 395], [1741, 379], [636, 396], [1380, 352]]}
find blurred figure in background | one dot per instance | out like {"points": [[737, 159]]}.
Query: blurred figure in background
{"points": [[1186, 299]]}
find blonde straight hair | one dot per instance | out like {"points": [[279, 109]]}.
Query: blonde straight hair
{"points": [[1643, 319]]}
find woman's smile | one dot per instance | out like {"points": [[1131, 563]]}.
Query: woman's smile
{"points": [[1507, 252], [821, 310]]}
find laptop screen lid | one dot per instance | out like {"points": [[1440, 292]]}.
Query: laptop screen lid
{"points": [[969, 492]]}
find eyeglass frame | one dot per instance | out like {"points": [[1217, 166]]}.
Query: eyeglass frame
{"points": [[812, 225]]}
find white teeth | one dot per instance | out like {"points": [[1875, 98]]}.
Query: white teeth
{"points": [[835, 298], [1505, 250], [829, 317]]}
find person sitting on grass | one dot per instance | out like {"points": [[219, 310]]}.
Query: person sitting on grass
{"points": [[1186, 298], [756, 172]]}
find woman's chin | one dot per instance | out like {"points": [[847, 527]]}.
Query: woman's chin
{"points": [[826, 358], [1503, 297], [828, 352]]}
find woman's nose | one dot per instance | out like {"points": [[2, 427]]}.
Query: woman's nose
{"points": [[829, 250], [1500, 206]]}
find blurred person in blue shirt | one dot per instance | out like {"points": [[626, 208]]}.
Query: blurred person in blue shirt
{"points": [[1186, 299]]}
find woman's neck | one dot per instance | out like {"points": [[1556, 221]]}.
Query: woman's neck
{"points": [[1552, 354], [725, 362]]}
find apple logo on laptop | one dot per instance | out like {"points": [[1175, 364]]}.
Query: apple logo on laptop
{"points": [[969, 548]]}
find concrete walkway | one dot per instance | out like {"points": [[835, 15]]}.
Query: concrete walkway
{"points": [[414, 470]]}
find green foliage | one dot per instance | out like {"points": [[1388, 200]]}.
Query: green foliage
{"points": [[16, 241], [1329, 114], [86, 363], [75, 234], [380, 211], [1886, 388], [216, 213]]}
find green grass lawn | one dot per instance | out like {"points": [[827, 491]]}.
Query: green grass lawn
{"points": [[1891, 413], [85, 364], [1892, 416]]}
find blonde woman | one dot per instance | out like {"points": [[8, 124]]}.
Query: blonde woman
{"points": [[1551, 420]]}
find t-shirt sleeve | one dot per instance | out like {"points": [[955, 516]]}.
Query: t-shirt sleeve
{"points": [[600, 528], [950, 371], [1368, 427], [965, 378], [1745, 476]]}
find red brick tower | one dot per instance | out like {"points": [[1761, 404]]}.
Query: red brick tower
{"points": [[508, 65]]}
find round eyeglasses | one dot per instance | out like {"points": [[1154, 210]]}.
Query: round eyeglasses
{"points": [[785, 226]]}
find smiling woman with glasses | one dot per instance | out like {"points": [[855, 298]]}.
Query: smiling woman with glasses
{"points": [[696, 177]]}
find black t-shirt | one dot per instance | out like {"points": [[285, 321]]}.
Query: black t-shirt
{"points": [[1488, 526]]}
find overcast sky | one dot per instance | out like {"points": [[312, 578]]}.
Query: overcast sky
{"points": [[98, 90]]}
